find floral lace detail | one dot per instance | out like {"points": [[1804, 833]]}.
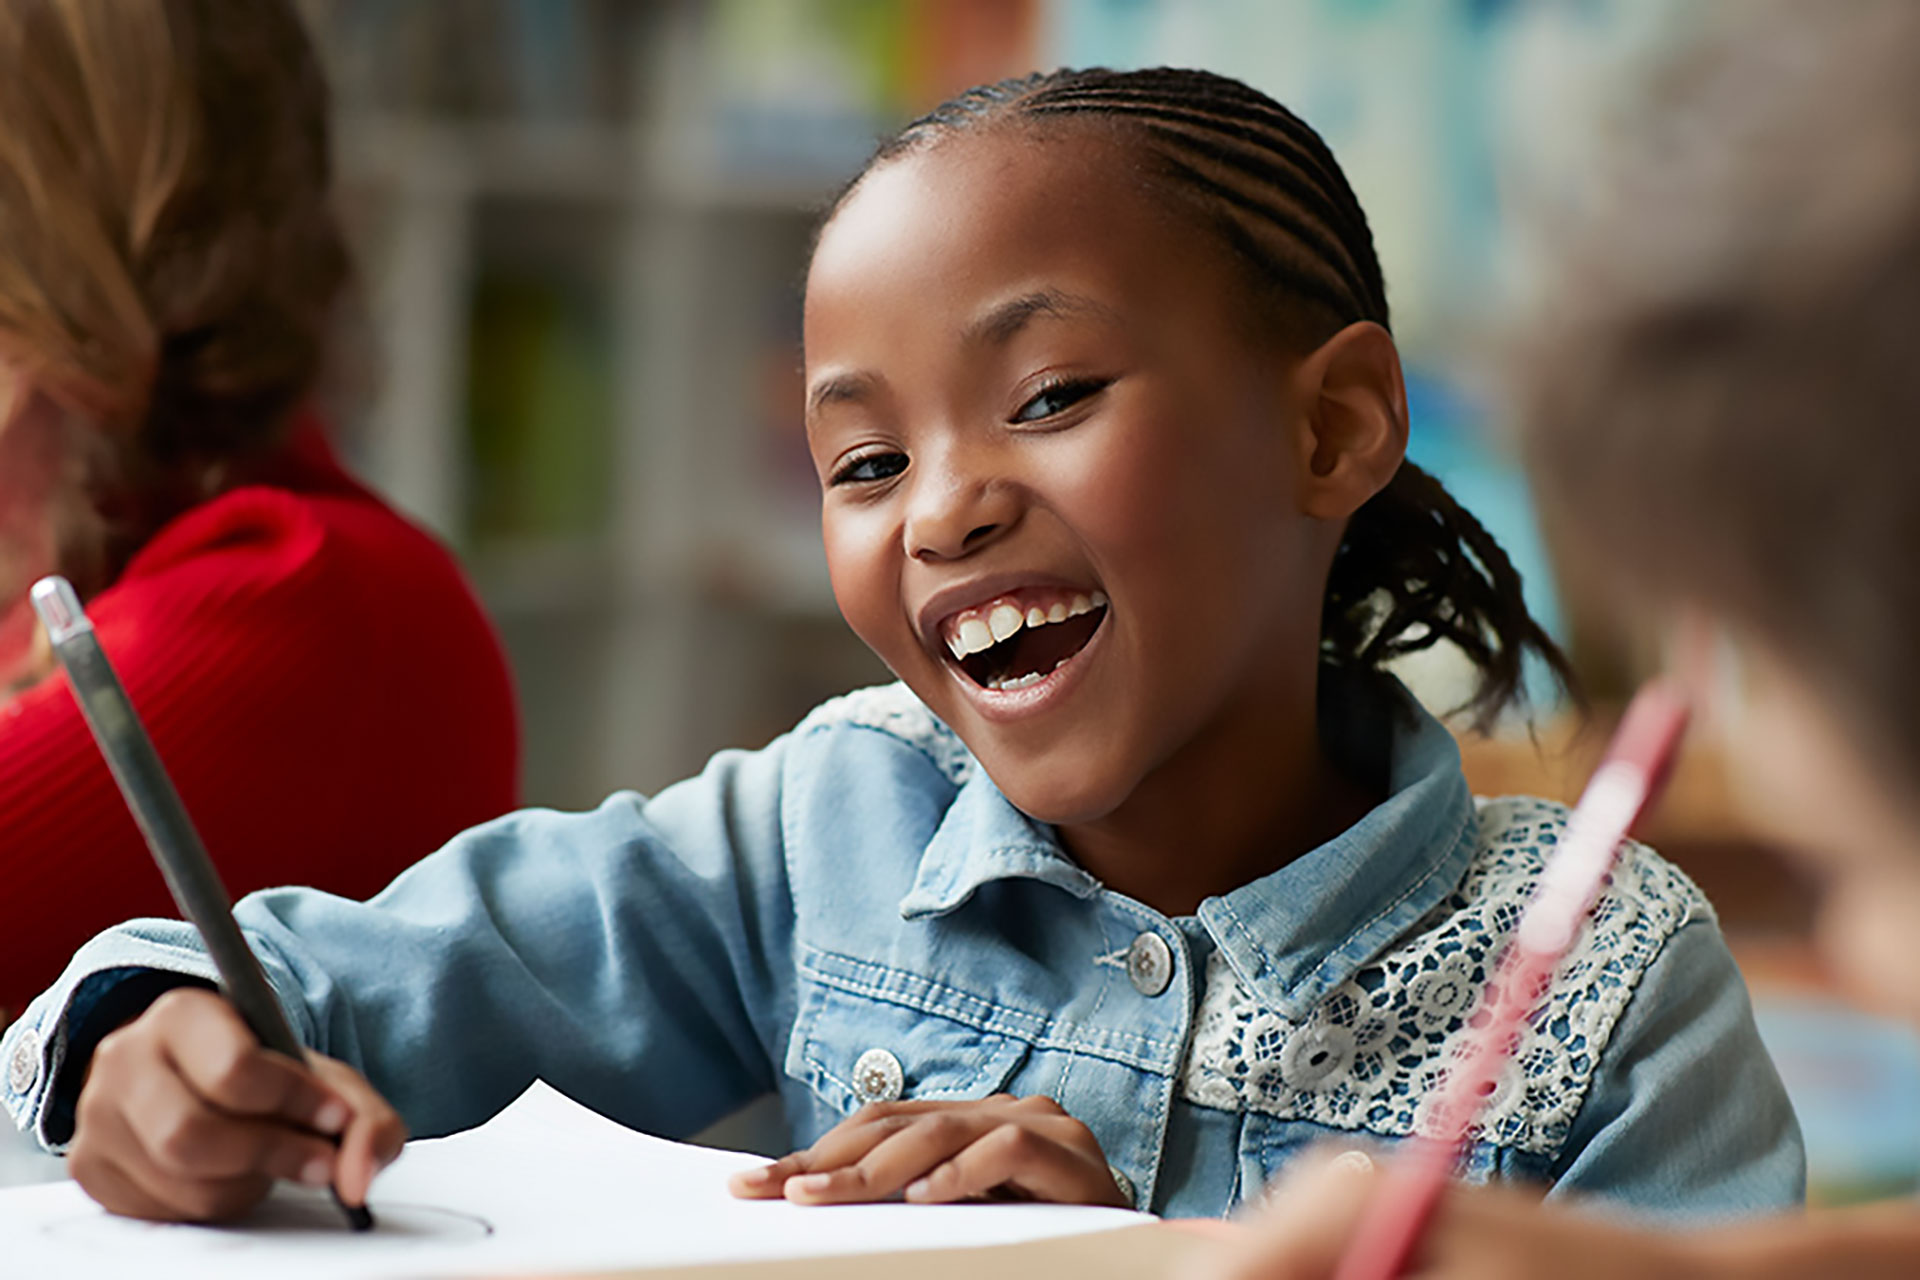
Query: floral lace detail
{"points": [[892, 709], [1370, 1054]]}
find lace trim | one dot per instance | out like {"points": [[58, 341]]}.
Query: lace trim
{"points": [[1368, 1055], [893, 709]]}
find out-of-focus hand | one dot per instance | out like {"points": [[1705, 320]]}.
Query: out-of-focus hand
{"points": [[184, 1117], [936, 1152], [1476, 1233]]}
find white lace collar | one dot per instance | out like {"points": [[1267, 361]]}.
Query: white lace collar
{"points": [[1364, 1056]]}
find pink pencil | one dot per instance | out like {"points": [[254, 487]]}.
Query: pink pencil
{"points": [[1636, 765]]}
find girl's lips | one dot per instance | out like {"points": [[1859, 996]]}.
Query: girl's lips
{"points": [[1029, 697]]}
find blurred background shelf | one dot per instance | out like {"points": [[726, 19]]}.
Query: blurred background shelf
{"points": [[582, 226]]}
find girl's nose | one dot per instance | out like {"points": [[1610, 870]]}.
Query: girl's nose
{"points": [[952, 516]]}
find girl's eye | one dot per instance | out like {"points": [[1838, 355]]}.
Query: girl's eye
{"points": [[871, 467], [1056, 397]]}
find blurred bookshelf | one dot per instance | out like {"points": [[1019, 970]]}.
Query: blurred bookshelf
{"points": [[582, 228]]}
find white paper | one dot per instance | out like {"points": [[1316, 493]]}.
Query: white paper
{"points": [[547, 1185]]}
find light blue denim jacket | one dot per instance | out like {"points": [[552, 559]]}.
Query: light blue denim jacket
{"points": [[856, 912]]}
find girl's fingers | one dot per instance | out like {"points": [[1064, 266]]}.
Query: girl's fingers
{"points": [[767, 1181], [115, 1191], [184, 1137], [901, 1157], [374, 1132], [214, 1051], [842, 1145], [183, 1116], [1024, 1160], [100, 1144], [123, 1177], [1306, 1223]]}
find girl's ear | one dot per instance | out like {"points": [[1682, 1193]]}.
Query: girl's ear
{"points": [[1355, 430]]}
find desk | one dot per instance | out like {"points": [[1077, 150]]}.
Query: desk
{"points": [[1154, 1252]]}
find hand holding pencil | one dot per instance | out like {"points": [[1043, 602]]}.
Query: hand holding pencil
{"points": [[194, 1108], [1474, 1233], [185, 1116]]}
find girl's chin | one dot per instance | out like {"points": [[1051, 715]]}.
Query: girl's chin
{"points": [[1061, 788]]}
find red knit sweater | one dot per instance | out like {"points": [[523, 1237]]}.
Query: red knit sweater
{"points": [[326, 693]]}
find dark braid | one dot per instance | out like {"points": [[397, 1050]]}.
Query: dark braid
{"points": [[1414, 568]]}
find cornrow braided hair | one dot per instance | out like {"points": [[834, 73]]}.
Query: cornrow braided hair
{"points": [[1415, 568]]}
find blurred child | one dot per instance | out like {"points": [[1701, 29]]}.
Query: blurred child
{"points": [[1723, 407], [328, 696], [1147, 874]]}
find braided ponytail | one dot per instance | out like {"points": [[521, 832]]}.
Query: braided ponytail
{"points": [[1415, 568]]}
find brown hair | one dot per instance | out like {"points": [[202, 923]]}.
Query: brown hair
{"points": [[1415, 568], [168, 258], [1723, 404]]}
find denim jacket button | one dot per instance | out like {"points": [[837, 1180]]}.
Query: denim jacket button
{"points": [[23, 1068], [877, 1077], [1150, 964]]}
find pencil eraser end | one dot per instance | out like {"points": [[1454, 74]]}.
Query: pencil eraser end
{"points": [[58, 605]]}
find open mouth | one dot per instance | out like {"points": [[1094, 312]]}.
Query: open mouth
{"points": [[1019, 639]]}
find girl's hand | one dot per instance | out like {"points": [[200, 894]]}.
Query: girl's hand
{"points": [[1476, 1233], [184, 1117], [1001, 1147]]}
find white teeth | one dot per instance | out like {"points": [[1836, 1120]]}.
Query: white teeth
{"points": [[1018, 682], [973, 637], [978, 632]]}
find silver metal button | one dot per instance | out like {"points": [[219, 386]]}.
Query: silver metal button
{"points": [[877, 1077], [1150, 964], [23, 1068]]}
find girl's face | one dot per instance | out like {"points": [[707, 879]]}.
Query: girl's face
{"points": [[1062, 476], [1800, 777]]}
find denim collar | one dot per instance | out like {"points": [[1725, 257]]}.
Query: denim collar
{"points": [[1291, 936], [984, 838]]}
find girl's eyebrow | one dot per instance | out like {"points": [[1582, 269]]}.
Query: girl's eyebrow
{"points": [[1003, 320], [996, 325], [840, 388]]}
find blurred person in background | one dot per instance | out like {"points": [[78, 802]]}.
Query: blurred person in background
{"points": [[1722, 403], [314, 670]]}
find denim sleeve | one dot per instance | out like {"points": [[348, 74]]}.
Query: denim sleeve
{"points": [[1687, 1119], [637, 957]]}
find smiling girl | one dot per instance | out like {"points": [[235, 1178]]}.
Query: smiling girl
{"points": [[1144, 877]]}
